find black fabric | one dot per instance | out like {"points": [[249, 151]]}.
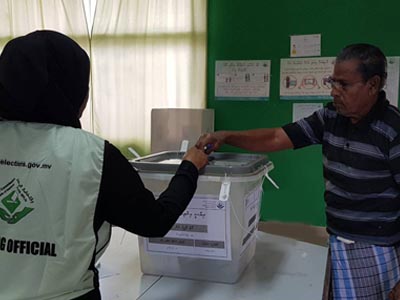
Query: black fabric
{"points": [[92, 295], [44, 77], [125, 202]]}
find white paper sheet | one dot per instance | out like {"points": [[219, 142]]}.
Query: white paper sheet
{"points": [[203, 230], [302, 110], [392, 82], [305, 45], [242, 79], [305, 78], [252, 215]]}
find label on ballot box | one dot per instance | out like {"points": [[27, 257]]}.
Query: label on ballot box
{"points": [[201, 231]]}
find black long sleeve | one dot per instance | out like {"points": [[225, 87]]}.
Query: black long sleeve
{"points": [[125, 202]]}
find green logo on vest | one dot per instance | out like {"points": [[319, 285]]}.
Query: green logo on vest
{"points": [[15, 202]]}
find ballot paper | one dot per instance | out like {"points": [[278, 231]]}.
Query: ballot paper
{"points": [[172, 161]]}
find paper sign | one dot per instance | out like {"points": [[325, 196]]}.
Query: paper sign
{"points": [[203, 231], [303, 110], [306, 78], [242, 79], [392, 82], [305, 45]]}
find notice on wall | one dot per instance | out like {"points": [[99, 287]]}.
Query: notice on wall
{"points": [[392, 82], [203, 230], [305, 78], [242, 79], [251, 217], [305, 45], [303, 110]]}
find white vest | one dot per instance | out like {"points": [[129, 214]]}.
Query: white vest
{"points": [[49, 184]]}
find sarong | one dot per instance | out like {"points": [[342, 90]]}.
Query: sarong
{"points": [[363, 271]]}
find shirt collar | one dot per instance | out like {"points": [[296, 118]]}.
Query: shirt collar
{"points": [[376, 111]]}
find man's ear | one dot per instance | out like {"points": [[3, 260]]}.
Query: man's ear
{"points": [[374, 85]]}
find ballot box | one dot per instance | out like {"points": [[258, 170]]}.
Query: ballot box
{"points": [[215, 237]]}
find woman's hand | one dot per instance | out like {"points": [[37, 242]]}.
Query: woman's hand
{"points": [[197, 156]]}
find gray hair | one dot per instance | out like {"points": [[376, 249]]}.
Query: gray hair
{"points": [[372, 60]]}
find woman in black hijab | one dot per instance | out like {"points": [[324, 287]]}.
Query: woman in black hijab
{"points": [[44, 77], [62, 187]]}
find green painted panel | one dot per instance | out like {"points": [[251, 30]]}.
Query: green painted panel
{"points": [[261, 29]]}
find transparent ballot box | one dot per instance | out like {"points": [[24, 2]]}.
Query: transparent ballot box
{"points": [[215, 237]]}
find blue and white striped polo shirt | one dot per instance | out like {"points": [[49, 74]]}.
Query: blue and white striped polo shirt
{"points": [[361, 165]]}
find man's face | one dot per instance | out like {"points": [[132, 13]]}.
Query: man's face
{"points": [[352, 96]]}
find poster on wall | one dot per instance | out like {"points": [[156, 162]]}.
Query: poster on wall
{"points": [[392, 82], [242, 79], [305, 45], [303, 110], [305, 78]]}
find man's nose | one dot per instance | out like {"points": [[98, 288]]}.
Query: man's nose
{"points": [[334, 91]]}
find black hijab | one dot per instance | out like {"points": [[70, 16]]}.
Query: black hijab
{"points": [[44, 77]]}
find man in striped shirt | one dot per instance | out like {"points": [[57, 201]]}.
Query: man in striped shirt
{"points": [[360, 137]]}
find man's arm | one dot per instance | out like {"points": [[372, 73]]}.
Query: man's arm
{"points": [[257, 140]]}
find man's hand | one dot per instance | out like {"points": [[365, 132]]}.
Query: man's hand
{"points": [[211, 141]]}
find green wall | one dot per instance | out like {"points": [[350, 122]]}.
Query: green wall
{"points": [[261, 29]]}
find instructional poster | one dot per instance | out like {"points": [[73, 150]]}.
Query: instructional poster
{"points": [[203, 230], [242, 79], [305, 78]]}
